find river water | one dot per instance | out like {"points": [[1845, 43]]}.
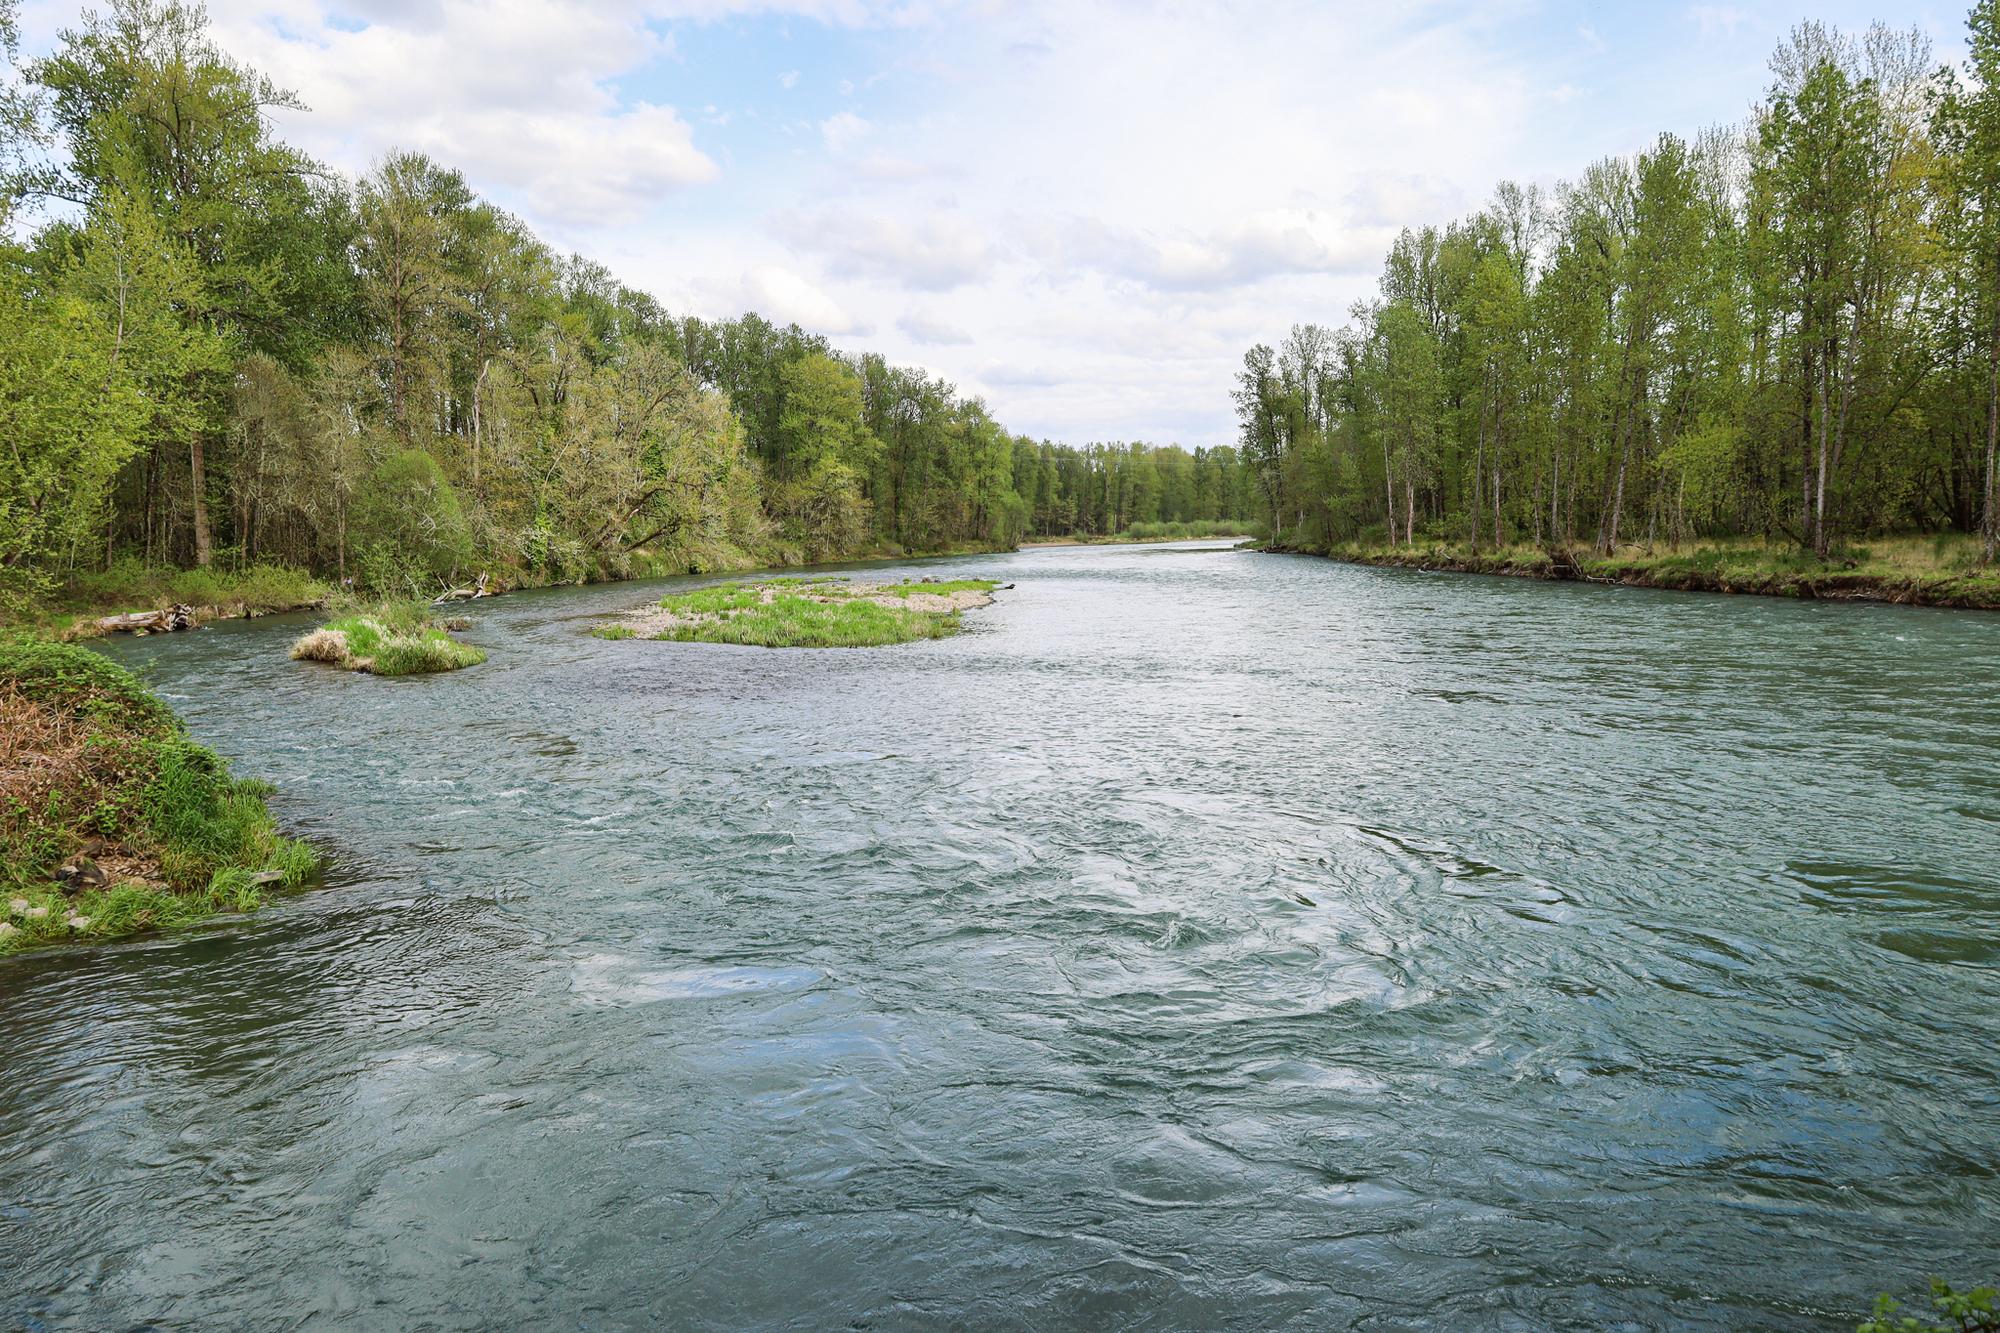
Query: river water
{"points": [[1200, 939]]}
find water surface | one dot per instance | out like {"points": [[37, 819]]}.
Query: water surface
{"points": [[1200, 939]]}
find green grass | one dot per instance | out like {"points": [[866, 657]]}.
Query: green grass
{"points": [[393, 639], [131, 585], [941, 589], [103, 764], [797, 622], [824, 612], [720, 599], [615, 632]]}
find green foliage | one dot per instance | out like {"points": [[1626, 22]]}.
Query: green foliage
{"points": [[203, 822], [1787, 334], [1972, 1311], [1189, 531], [408, 520], [71, 420]]}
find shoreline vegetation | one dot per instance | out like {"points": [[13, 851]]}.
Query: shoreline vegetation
{"points": [[1928, 571], [113, 821], [824, 612], [1146, 534], [390, 639], [1784, 329]]}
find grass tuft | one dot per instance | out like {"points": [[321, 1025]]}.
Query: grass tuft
{"points": [[394, 639], [824, 612]]}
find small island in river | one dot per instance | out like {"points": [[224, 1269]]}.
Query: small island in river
{"points": [[826, 612], [390, 640]]}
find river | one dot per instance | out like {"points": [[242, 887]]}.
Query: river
{"points": [[1200, 939]]}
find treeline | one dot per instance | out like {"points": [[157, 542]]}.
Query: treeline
{"points": [[1789, 329], [214, 351]]}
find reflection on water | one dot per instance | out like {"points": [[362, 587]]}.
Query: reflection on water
{"points": [[1199, 939]]}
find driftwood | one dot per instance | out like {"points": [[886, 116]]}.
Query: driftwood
{"points": [[478, 589], [150, 622]]}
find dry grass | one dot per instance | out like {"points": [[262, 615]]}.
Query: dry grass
{"points": [[42, 752], [322, 645]]}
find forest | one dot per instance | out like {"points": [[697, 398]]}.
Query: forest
{"points": [[1785, 331], [220, 354]]}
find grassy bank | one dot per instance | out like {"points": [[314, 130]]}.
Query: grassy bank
{"points": [[112, 821], [828, 612], [1914, 571], [73, 609], [390, 639]]}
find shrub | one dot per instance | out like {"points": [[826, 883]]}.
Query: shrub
{"points": [[1975, 1311], [408, 525]]}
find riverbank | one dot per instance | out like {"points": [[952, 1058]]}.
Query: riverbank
{"points": [[112, 820], [1907, 571], [75, 610], [1148, 534]]}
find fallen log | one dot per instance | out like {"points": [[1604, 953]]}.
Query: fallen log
{"points": [[149, 622], [478, 589]]}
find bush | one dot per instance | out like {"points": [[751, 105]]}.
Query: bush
{"points": [[1975, 1311], [408, 525]]}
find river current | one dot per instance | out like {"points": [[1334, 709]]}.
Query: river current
{"points": [[1200, 939]]}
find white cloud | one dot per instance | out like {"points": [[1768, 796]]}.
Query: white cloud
{"points": [[936, 252], [843, 130], [516, 94], [783, 297], [1714, 19], [931, 331], [789, 80]]}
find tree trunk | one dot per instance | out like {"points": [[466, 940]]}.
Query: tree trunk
{"points": [[1478, 478], [198, 467], [1389, 484], [1991, 525]]}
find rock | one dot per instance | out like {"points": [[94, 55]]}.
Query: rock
{"points": [[75, 922], [264, 877], [82, 873], [17, 905], [7, 929]]}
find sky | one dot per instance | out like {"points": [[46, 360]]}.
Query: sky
{"points": [[1083, 213]]}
